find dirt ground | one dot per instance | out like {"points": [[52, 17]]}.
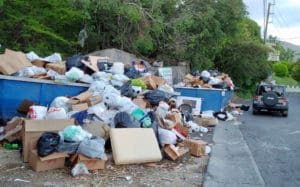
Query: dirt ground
{"points": [[186, 171]]}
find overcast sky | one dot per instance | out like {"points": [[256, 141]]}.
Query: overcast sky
{"points": [[284, 18]]}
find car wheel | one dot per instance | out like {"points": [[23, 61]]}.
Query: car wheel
{"points": [[285, 113]]}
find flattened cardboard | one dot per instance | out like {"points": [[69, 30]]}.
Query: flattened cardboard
{"points": [[140, 102], [35, 128], [38, 63], [52, 161], [84, 96], [90, 163], [94, 100], [59, 68], [13, 61], [134, 145], [13, 123], [80, 107]]}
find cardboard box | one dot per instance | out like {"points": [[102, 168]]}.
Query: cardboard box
{"points": [[35, 128], [209, 122], [83, 97], [183, 130], [197, 147], [91, 163], [52, 161], [80, 107], [13, 61], [59, 68], [175, 152]]}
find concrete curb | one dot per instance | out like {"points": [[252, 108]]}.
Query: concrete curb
{"points": [[231, 162]]}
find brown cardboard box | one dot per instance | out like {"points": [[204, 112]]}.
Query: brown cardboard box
{"points": [[197, 147], [13, 61], [13, 123], [84, 96], [80, 107], [91, 163], [208, 122], [52, 161], [35, 128], [176, 117], [175, 152], [59, 68], [94, 100]]}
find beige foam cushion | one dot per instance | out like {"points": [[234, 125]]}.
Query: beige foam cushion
{"points": [[134, 145]]}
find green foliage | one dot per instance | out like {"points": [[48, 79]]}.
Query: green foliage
{"points": [[296, 71], [280, 69], [143, 45], [246, 63], [42, 26], [285, 80]]}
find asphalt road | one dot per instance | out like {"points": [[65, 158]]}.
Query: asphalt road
{"points": [[275, 144]]}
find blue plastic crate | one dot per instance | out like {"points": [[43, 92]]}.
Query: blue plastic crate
{"points": [[13, 90], [212, 99]]}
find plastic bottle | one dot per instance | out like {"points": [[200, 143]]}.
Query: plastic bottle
{"points": [[11, 146]]}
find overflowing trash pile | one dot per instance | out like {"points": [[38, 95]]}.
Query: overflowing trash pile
{"points": [[207, 79], [124, 109]]}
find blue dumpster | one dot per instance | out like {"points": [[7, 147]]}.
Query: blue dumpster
{"points": [[13, 90], [212, 99]]}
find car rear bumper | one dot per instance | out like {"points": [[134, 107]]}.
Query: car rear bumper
{"points": [[272, 108]]}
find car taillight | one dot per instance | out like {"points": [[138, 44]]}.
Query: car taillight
{"points": [[284, 99]]}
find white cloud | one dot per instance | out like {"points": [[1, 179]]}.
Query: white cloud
{"points": [[293, 3]]}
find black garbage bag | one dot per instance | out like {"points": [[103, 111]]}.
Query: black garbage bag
{"points": [[75, 61], [124, 120], [48, 143], [104, 66], [155, 123], [126, 90], [156, 96], [195, 72], [133, 74]]}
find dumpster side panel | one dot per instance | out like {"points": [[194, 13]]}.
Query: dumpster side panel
{"points": [[51, 91], [13, 92], [212, 99]]}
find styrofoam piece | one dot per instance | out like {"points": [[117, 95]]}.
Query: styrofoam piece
{"points": [[134, 145]]}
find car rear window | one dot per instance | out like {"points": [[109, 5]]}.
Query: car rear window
{"points": [[279, 90]]}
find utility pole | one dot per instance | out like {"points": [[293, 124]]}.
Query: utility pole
{"points": [[267, 22]]}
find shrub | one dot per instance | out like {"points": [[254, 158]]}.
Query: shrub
{"points": [[280, 69], [296, 71]]}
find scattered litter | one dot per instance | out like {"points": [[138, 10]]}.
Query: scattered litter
{"points": [[21, 180]]}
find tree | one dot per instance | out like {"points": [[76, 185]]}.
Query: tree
{"points": [[41, 26], [246, 62]]}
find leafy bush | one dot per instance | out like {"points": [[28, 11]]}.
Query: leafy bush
{"points": [[296, 71], [280, 69]]}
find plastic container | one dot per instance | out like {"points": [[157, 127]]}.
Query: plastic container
{"points": [[11, 146]]}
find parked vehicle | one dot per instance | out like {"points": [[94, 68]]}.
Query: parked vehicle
{"points": [[269, 97]]}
